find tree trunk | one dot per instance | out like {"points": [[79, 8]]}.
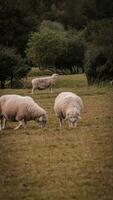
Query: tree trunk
{"points": [[2, 84], [82, 69], [11, 81]]}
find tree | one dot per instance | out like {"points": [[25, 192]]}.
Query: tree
{"points": [[98, 65], [15, 25], [12, 66], [55, 48], [45, 46], [71, 60]]}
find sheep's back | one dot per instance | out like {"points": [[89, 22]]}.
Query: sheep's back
{"points": [[65, 100], [42, 83], [17, 107]]}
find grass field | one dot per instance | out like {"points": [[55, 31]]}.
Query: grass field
{"points": [[66, 164]]}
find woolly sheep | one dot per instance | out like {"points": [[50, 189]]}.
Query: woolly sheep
{"points": [[68, 106], [3, 100], [44, 82], [21, 109]]}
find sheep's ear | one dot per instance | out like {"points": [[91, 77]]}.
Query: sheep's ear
{"points": [[40, 118], [79, 117]]}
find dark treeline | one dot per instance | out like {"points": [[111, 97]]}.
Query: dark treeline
{"points": [[83, 27]]}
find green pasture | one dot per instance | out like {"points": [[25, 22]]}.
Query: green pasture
{"points": [[60, 164]]}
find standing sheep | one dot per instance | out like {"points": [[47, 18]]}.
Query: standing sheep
{"points": [[21, 109], [68, 106], [44, 82]]}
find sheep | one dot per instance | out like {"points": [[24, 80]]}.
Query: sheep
{"points": [[68, 106], [44, 82], [3, 100], [21, 109]]}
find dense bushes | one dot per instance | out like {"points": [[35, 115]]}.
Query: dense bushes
{"points": [[98, 66], [56, 49], [12, 66], [99, 56]]}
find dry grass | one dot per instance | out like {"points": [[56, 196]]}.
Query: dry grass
{"points": [[67, 164]]}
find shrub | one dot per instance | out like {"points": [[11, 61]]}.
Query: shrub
{"points": [[54, 49], [98, 65], [12, 66]]}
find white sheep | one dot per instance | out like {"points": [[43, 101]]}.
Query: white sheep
{"points": [[21, 109], [68, 106], [44, 82], [3, 100]]}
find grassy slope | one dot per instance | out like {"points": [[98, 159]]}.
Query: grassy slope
{"points": [[54, 164]]}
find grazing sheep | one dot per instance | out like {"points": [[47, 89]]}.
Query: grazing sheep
{"points": [[21, 109], [44, 82], [68, 106], [3, 100]]}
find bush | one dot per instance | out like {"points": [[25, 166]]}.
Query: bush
{"points": [[12, 66], [98, 65], [35, 72], [56, 50]]}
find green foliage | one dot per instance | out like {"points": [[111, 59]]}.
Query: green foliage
{"points": [[72, 58], [99, 59], [95, 10], [98, 65], [15, 25], [12, 66], [59, 50], [100, 32], [52, 45], [35, 72], [73, 14], [45, 46]]}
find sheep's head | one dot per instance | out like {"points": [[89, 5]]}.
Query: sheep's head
{"points": [[73, 116], [41, 121], [55, 75]]}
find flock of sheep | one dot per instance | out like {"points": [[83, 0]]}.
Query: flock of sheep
{"points": [[68, 106]]}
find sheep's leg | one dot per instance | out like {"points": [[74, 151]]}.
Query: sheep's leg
{"points": [[1, 122], [60, 122], [4, 123], [75, 124], [32, 92], [21, 124], [51, 90]]}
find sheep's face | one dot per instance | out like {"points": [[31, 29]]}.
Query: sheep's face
{"points": [[41, 121], [73, 118]]}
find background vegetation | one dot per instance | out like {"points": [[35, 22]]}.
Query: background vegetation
{"points": [[60, 35]]}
